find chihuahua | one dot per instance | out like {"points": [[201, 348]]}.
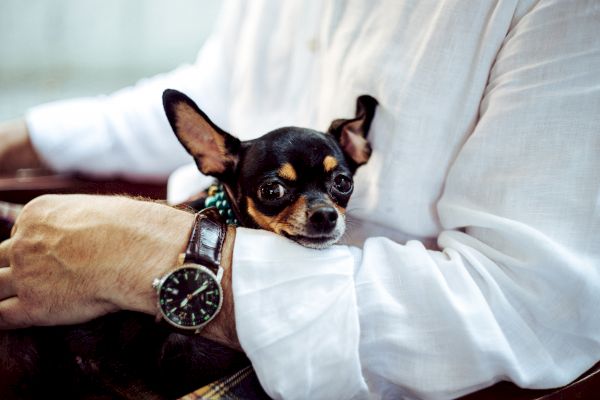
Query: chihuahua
{"points": [[295, 182]]}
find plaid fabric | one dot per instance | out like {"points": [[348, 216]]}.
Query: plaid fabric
{"points": [[243, 385]]}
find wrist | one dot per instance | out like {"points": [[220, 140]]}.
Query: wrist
{"points": [[168, 299], [222, 329]]}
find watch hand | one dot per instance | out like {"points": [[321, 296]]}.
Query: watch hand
{"points": [[200, 289], [195, 293]]}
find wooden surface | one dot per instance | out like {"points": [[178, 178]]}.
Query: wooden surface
{"points": [[586, 387], [27, 184]]}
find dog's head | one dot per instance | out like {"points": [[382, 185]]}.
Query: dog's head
{"points": [[293, 181]]}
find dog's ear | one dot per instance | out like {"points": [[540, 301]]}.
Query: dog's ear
{"points": [[351, 134], [215, 151]]}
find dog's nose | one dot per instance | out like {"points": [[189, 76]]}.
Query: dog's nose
{"points": [[323, 219]]}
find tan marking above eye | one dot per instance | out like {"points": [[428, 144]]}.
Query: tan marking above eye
{"points": [[329, 163], [287, 171]]}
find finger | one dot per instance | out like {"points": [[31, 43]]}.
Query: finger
{"points": [[13, 315], [7, 288], [4, 247]]}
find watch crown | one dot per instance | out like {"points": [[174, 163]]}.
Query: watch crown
{"points": [[156, 283]]}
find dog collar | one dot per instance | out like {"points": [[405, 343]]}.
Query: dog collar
{"points": [[218, 198]]}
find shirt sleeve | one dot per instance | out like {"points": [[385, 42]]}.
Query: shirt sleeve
{"points": [[512, 292], [125, 133]]}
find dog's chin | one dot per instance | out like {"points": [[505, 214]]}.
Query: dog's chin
{"points": [[315, 241]]}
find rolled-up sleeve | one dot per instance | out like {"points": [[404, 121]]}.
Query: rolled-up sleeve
{"points": [[126, 133], [297, 316]]}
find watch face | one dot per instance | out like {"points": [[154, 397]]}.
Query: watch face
{"points": [[190, 296]]}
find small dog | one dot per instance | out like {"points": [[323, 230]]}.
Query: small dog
{"points": [[295, 182]]}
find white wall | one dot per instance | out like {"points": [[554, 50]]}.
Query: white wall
{"points": [[51, 49]]}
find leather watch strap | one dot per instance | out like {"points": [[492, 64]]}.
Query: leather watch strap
{"points": [[206, 239]]}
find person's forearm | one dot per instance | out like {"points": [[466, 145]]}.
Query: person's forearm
{"points": [[16, 149], [74, 258]]}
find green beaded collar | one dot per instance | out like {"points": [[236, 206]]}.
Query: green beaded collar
{"points": [[217, 198]]}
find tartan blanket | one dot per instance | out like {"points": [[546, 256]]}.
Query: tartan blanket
{"points": [[243, 385]]}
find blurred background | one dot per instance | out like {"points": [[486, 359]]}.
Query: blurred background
{"points": [[57, 49]]}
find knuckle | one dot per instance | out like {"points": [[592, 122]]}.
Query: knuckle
{"points": [[26, 261], [19, 250], [44, 199], [41, 208], [29, 214], [35, 208]]}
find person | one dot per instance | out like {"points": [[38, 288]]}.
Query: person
{"points": [[476, 219]]}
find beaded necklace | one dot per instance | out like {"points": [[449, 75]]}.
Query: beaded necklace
{"points": [[217, 198]]}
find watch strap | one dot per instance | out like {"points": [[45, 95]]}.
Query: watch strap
{"points": [[206, 239]]}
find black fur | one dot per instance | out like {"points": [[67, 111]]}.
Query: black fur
{"points": [[125, 355]]}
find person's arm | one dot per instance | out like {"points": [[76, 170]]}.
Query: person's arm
{"points": [[72, 258]]}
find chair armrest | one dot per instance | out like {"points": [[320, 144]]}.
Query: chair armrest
{"points": [[587, 386], [28, 184]]}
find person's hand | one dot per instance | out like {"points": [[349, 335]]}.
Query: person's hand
{"points": [[72, 258], [16, 149]]}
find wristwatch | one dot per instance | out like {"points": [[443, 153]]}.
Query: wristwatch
{"points": [[190, 296]]}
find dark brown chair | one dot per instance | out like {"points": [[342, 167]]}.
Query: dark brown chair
{"points": [[23, 186], [586, 387], [27, 184]]}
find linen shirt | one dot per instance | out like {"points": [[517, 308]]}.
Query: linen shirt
{"points": [[474, 226]]}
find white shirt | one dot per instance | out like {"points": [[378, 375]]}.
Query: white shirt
{"points": [[477, 218]]}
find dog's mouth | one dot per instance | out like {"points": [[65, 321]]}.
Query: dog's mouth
{"points": [[315, 242], [310, 236]]}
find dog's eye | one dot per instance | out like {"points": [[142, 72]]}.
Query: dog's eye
{"points": [[271, 191], [342, 184]]}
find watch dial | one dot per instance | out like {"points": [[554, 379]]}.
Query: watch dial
{"points": [[190, 296]]}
